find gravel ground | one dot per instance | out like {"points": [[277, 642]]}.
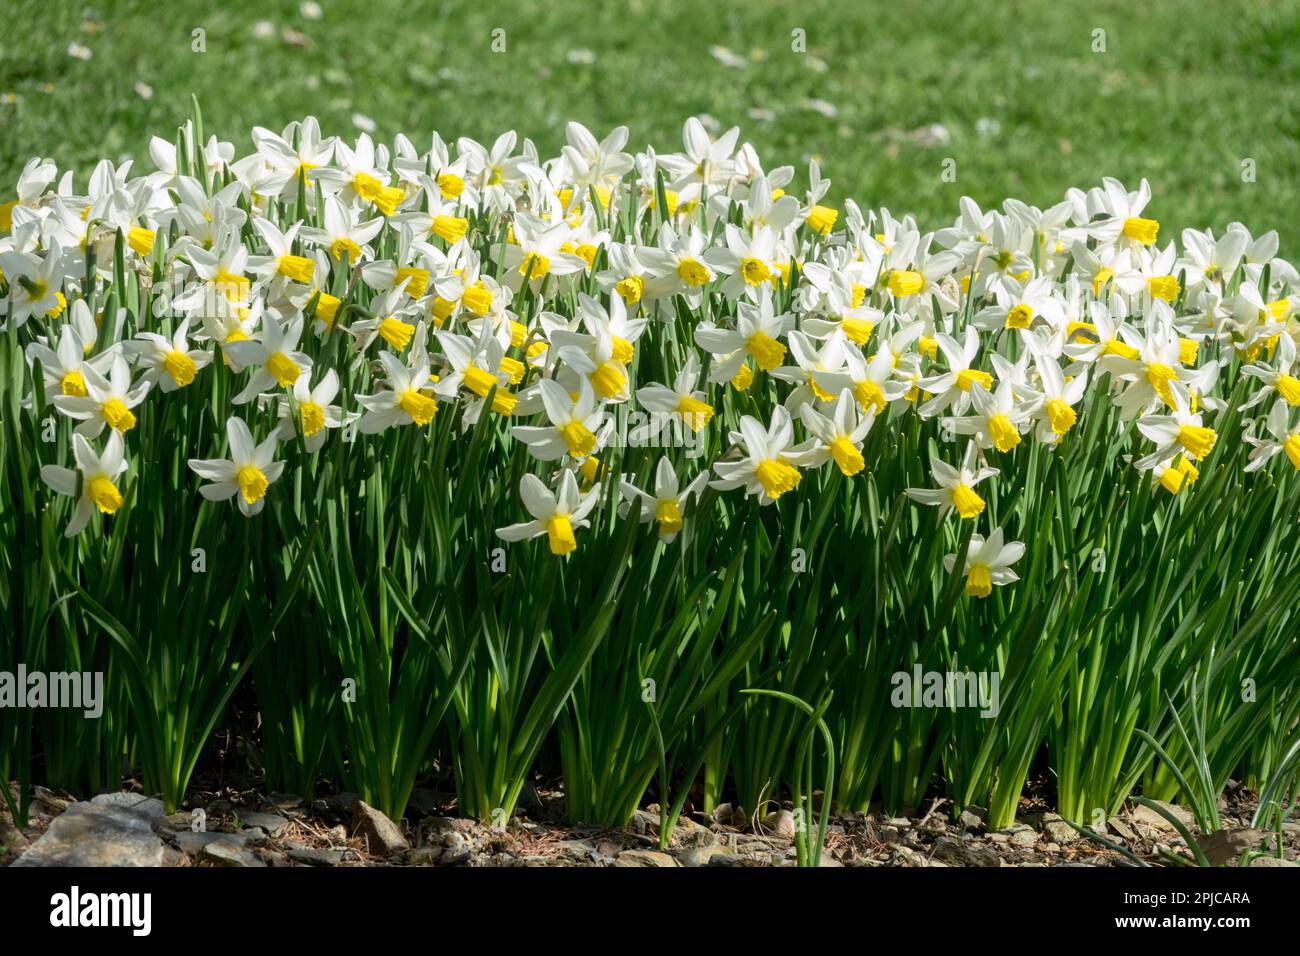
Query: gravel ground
{"points": [[248, 829]]}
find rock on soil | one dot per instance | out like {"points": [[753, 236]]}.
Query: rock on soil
{"points": [[99, 833], [273, 823], [380, 833], [644, 858]]}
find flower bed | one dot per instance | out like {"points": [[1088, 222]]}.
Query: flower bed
{"points": [[821, 501]]}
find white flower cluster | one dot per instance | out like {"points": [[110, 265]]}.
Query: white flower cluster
{"points": [[530, 288]]}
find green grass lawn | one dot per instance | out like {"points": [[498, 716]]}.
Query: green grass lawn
{"points": [[1184, 92]]}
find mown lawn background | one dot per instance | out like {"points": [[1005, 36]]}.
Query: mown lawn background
{"points": [[1183, 94]]}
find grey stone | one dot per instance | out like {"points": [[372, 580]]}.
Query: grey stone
{"points": [[455, 849], [1021, 834], [949, 849], [12, 839], [971, 820], [1145, 815], [1057, 830], [422, 856], [727, 815], [644, 858], [380, 833], [314, 857], [96, 834], [1226, 846], [700, 855], [272, 823], [136, 802], [225, 853], [1121, 828], [1272, 861], [192, 843]]}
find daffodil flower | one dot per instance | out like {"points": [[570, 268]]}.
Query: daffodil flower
{"points": [[626, 276], [1020, 307], [297, 151], [245, 475], [93, 483], [61, 366], [575, 424], [1056, 400], [748, 263], [106, 401], [536, 253], [441, 218], [394, 321], [839, 437], [591, 357], [591, 162], [1209, 261], [769, 465], [681, 265], [344, 235], [1150, 374], [855, 323], [956, 486], [681, 400], [409, 398], [668, 503], [476, 367], [495, 176], [1278, 378], [169, 362], [1181, 431], [809, 361], [1283, 436], [281, 263], [35, 283], [1108, 333], [1119, 214], [757, 334], [1174, 473], [705, 160], [555, 514], [874, 382], [614, 321], [356, 175], [951, 389], [310, 413], [275, 359], [998, 419], [988, 563]]}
